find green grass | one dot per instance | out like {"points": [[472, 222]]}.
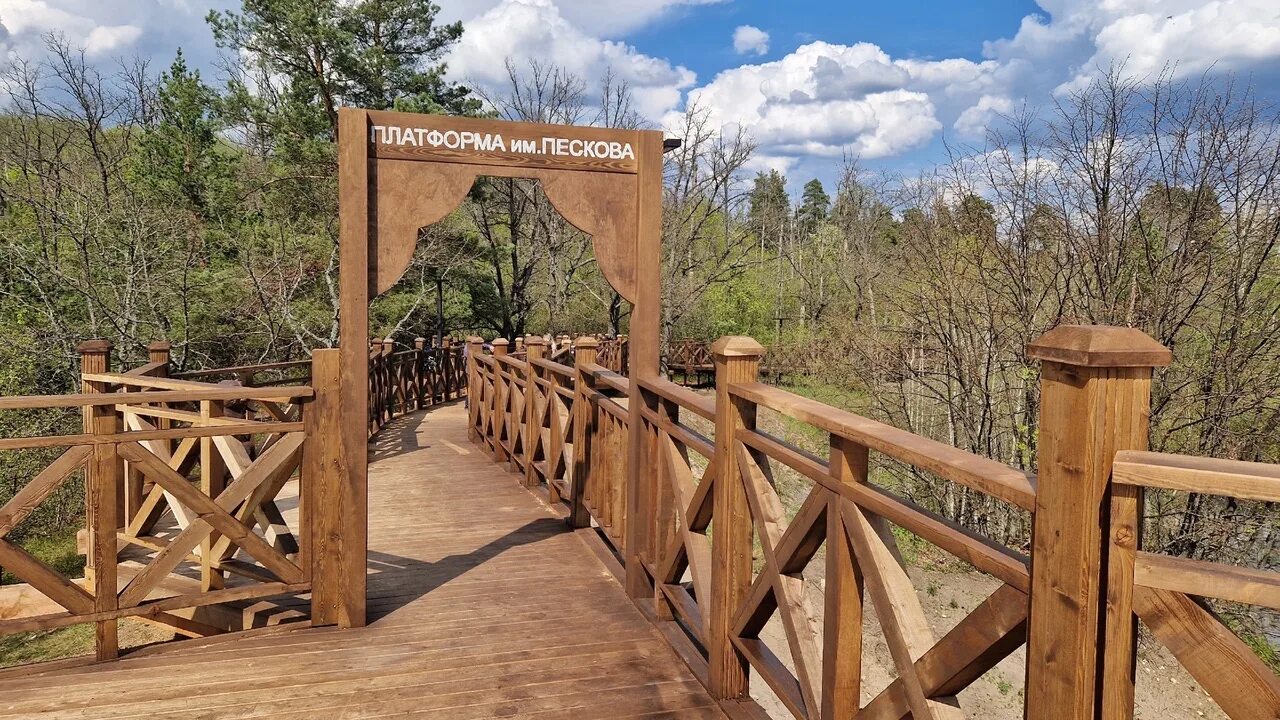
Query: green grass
{"points": [[57, 551], [1263, 648], [23, 648]]}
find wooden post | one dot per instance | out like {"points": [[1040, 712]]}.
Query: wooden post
{"points": [[355, 249], [420, 373], [737, 360], [536, 347], [447, 371], [842, 629], [213, 479], [1095, 400], [375, 384], [157, 352], [103, 479], [553, 450], [327, 556], [583, 431], [500, 391], [475, 348], [389, 382]]}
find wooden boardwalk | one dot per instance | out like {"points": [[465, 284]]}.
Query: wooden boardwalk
{"points": [[481, 604]]}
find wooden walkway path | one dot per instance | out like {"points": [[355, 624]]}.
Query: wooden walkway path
{"points": [[482, 604]]}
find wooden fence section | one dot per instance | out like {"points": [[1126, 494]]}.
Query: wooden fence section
{"points": [[690, 362], [183, 482], [1166, 593], [411, 379], [687, 537]]}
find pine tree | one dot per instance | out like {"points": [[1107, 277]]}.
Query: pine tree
{"points": [[769, 206], [377, 54], [179, 158], [815, 204]]}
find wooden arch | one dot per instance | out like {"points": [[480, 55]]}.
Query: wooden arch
{"points": [[399, 172]]}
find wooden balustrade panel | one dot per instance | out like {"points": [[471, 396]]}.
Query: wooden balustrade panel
{"points": [[1173, 596], [841, 511], [209, 515]]}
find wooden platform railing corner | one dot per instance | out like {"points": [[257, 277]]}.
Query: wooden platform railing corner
{"points": [[185, 474], [683, 532]]}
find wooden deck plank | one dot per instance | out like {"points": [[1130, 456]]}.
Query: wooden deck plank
{"points": [[482, 603]]}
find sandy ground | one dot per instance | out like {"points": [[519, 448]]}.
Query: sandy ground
{"points": [[1164, 690]]}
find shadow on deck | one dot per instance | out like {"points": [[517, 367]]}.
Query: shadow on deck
{"points": [[481, 604]]}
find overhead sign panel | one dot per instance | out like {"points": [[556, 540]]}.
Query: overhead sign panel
{"points": [[404, 136]]}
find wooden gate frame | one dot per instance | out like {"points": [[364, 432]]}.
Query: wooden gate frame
{"points": [[399, 172]]}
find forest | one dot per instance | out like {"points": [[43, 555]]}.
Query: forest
{"points": [[141, 203]]}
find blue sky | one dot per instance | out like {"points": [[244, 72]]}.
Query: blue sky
{"points": [[811, 81]]}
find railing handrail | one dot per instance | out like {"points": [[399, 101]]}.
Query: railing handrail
{"points": [[1210, 476], [702, 405], [238, 369], [216, 392], [948, 462]]}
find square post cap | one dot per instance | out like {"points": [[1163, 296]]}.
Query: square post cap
{"points": [[737, 346], [586, 341], [94, 346], [1099, 346]]}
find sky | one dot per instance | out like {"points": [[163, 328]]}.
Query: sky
{"points": [[811, 81]]}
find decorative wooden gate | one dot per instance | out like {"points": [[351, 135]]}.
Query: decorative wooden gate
{"points": [[399, 172]]}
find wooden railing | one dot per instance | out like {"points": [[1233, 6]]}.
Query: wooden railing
{"points": [[1167, 593], [183, 487], [689, 362], [403, 381], [686, 531]]}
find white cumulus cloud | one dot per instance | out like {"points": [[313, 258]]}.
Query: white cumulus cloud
{"points": [[154, 29], [975, 120], [603, 18], [825, 99], [750, 39], [108, 38], [524, 30]]}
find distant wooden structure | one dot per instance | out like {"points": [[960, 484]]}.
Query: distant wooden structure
{"points": [[254, 497], [690, 362]]}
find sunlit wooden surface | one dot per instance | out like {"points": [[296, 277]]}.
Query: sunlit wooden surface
{"points": [[481, 604]]}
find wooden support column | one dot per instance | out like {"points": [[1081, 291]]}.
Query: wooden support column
{"points": [[553, 450], [213, 480], [447, 371], [842, 629], [390, 382], [1095, 400], [420, 373], [475, 348], [160, 351], [354, 255], [500, 393], [737, 360], [134, 482], [104, 475], [533, 401], [321, 492], [584, 431], [646, 323]]}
